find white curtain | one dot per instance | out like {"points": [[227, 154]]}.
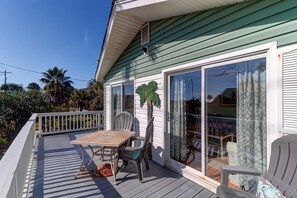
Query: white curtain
{"points": [[117, 100], [178, 140], [251, 117]]}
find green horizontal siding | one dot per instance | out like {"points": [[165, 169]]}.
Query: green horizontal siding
{"points": [[183, 39]]}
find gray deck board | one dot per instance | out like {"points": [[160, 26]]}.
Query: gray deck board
{"points": [[167, 189], [138, 191], [56, 161], [180, 190], [204, 194], [196, 189]]}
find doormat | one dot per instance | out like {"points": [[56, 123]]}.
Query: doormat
{"points": [[103, 170]]}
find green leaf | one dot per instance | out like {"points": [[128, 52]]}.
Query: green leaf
{"points": [[152, 86], [156, 100], [142, 101], [139, 90]]}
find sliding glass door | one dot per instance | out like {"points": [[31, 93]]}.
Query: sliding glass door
{"points": [[232, 103], [185, 118]]}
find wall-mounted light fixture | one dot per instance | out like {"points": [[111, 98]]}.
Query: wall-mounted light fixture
{"points": [[145, 50]]}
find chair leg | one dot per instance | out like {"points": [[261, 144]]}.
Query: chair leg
{"points": [[139, 170], [146, 161]]}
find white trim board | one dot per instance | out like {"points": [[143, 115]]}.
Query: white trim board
{"points": [[122, 81], [287, 48], [223, 58]]}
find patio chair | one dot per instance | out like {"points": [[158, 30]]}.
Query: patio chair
{"points": [[122, 122], [282, 171], [137, 154]]}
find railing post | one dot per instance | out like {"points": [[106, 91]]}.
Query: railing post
{"points": [[81, 121], [58, 122], [40, 124], [67, 118]]}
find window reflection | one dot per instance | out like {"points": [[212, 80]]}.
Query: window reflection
{"points": [[128, 98], [235, 118], [116, 98]]}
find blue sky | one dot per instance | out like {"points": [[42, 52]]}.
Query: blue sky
{"points": [[40, 34]]}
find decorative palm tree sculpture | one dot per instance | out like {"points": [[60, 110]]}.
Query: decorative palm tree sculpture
{"points": [[147, 94]]}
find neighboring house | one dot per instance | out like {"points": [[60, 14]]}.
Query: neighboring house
{"points": [[226, 72]]}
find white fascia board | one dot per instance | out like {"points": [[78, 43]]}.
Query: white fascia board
{"points": [[102, 53], [130, 4]]}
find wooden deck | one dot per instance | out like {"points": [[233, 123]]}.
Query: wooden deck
{"points": [[56, 162]]}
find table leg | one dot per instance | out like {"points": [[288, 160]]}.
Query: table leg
{"points": [[114, 164], [82, 161]]}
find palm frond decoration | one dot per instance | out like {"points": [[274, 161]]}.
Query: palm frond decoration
{"points": [[147, 93]]}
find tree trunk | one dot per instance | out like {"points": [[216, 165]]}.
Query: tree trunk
{"points": [[149, 117], [149, 110]]}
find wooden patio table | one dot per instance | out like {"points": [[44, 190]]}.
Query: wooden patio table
{"points": [[107, 139]]}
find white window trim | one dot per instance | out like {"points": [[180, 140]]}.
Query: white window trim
{"points": [[273, 90], [114, 84]]}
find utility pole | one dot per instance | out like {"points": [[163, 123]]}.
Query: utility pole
{"points": [[5, 73]]}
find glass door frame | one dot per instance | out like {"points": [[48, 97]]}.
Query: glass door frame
{"points": [[167, 99], [267, 51]]}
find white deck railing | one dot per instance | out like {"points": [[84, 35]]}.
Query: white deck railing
{"points": [[50, 123], [14, 164]]}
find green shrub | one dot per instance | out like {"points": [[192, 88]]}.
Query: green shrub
{"points": [[3, 142]]}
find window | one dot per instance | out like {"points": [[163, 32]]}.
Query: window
{"points": [[123, 98]]}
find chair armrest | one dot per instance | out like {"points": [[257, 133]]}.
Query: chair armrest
{"points": [[129, 152], [128, 149], [227, 170], [138, 138], [226, 192]]}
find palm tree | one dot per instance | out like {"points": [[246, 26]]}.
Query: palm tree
{"points": [[33, 86], [57, 84], [95, 92], [78, 98], [147, 94]]}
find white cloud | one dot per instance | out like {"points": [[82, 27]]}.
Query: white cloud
{"points": [[86, 38]]}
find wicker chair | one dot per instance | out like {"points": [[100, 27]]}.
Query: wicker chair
{"points": [[137, 154], [282, 171]]}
